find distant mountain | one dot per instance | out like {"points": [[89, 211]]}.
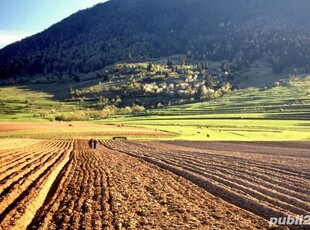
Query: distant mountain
{"points": [[239, 31]]}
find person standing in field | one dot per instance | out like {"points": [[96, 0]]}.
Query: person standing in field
{"points": [[95, 144], [90, 143]]}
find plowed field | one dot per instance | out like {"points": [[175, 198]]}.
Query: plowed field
{"points": [[74, 130], [64, 184], [25, 179], [268, 179]]}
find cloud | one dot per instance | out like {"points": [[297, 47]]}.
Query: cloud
{"points": [[8, 37]]}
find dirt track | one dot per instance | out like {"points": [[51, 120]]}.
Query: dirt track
{"points": [[66, 185]]}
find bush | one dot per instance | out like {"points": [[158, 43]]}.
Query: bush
{"points": [[43, 114], [73, 116], [97, 114], [138, 108], [159, 105]]}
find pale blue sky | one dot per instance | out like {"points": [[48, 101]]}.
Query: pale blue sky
{"points": [[22, 18]]}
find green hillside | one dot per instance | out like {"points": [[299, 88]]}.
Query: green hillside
{"points": [[280, 111], [203, 69]]}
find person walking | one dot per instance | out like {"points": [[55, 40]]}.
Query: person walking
{"points": [[90, 143], [95, 144]]}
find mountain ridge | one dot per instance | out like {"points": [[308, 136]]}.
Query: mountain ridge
{"points": [[120, 30]]}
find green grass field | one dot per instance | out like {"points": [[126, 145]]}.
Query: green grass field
{"points": [[24, 104], [278, 113], [275, 113], [226, 129]]}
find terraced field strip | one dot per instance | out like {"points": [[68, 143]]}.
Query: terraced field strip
{"points": [[253, 182], [26, 180]]}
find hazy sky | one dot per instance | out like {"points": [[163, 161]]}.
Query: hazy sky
{"points": [[22, 18]]}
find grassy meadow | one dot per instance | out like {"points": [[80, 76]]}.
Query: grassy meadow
{"points": [[277, 113], [19, 103], [280, 112]]}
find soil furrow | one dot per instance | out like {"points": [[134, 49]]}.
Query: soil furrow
{"points": [[199, 167], [17, 171], [17, 214], [12, 192], [151, 185], [248, 183]]}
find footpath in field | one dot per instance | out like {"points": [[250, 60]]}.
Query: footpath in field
{"points": [[107, 189], [268, 179]]}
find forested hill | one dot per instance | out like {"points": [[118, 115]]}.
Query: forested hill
{"points": [[239, 30]]}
